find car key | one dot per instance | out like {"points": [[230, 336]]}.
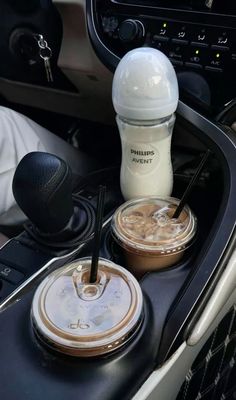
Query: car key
{"points": [[45, 53]]}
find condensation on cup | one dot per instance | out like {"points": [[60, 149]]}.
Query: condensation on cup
{"points": [[150, 238], [82, 319]]}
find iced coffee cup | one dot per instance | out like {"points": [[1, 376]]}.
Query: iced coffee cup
{"points": [[148, 235], [82, 319]]}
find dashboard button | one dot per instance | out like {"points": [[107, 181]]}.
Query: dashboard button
{"points": [[181, 34], [160, 45], [163, 28], [218, 59], [200, 35], [199, 44], [197, 55], [213, 69], [192, 65], [10, 274], [180, 31], [177, 52], [180, 41], [130, 30], [176, 62], [220, 48], [222, 39], [160, 38]]}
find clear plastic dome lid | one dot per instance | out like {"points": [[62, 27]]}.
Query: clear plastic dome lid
{"points": [[147, 225], [78, 318], [145, 85]]}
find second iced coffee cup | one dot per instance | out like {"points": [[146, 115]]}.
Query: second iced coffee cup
{"points": [[150, 238]]}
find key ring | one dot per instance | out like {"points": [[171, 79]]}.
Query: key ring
{"points": [[45, 52], [42, 43], [45, 56]]}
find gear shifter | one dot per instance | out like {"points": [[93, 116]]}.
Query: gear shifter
{"points": [[42, 187]]}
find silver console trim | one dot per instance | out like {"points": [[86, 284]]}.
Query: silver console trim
{"points": [[183, 108], [223, 290]]}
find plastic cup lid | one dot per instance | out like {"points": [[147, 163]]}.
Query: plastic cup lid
{"points": [[146, 224], [75, 317]]}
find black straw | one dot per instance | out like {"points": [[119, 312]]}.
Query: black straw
{"points": [[187, 192], [97, 234]]}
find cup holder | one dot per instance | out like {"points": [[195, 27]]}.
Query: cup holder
{"points": [[112, 251]]}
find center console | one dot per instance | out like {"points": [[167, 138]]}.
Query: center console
{"points": [[172, 298]]}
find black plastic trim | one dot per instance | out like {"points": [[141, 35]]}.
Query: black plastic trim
{"points": [[107, 57]]}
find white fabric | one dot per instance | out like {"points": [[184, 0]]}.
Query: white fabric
{"points": [[18, 136]]}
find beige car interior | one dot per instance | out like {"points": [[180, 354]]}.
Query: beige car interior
{"points": [[79, 63]]}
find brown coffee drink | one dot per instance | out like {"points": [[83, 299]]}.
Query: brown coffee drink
{"points": [[150, 238]]}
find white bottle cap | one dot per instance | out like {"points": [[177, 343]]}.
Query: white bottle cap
{"points": [[145, 85]]}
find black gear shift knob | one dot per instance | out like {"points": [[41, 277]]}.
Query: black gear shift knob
{"points": [[42, 187]]}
